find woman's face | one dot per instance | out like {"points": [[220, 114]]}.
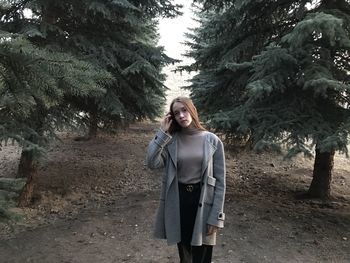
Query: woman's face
{"points": [[182, 116]]}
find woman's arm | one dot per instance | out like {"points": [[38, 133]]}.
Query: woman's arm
{"points": [[156, 154]]}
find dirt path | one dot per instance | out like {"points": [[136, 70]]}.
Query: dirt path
{"points": [[95, 202]]}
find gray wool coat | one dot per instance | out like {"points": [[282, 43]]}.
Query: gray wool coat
{"points": [[162, 152]]}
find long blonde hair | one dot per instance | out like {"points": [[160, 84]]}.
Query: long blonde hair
{"points": [[187, 102]]}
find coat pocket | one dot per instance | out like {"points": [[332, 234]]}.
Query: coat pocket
{"points": [[209, 197]]}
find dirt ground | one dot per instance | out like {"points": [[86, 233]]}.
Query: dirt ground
{"points": [[95, 202]]}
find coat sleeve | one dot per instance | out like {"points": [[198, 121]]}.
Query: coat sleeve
{"points": [[156, 154], [217, 215]]}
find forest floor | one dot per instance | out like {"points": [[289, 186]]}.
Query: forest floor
{"points": [[95, 202]]}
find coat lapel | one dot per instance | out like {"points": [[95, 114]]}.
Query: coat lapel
{"points": [[172, 149], [209, 150]]}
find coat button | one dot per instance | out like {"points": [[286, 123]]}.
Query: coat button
{"points": [[200, 204]]}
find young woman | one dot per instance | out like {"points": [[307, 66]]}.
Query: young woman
{"points": [[193, 187]]}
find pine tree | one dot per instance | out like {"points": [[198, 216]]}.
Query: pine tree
{"points": [[34, 83], [277, 71], [119, 36], [79, 43]]}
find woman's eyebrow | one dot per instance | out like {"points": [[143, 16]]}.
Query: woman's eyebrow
{"points": [[181, 109]]}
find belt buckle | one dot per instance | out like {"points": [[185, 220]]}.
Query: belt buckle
{"points": [[189, 188]]}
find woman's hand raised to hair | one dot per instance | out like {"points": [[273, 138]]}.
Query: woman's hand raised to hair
{"points": [[166, 123]]}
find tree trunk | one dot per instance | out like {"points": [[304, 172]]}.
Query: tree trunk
{"points": [[30, 173], [322, 175], [24, 164], [93, 125]]}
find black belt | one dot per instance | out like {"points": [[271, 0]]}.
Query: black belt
{"points": [[189, 187]]}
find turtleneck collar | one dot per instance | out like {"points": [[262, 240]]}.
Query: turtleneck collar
{"points": [[190, 130]]}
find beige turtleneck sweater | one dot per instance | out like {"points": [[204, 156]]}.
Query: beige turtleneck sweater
{"points": [[190, 145]]}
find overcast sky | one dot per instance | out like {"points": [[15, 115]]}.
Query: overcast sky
{"points": [[171, 38], [172, 31]]}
